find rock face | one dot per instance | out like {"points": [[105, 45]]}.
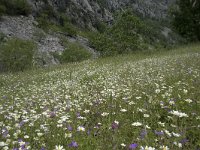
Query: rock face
{"points": [[83, 13], [26, 28], [87, 13]]}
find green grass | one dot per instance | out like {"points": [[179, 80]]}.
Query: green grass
{"points": [[107, 97]]}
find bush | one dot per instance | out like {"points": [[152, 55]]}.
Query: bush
{"points": [[2, 10], [16, 55], [186, 19], [46, 19], [15, 7], [74, 53], [127, 34]]}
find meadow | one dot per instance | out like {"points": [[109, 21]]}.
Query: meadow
{"points": [[138, 101]]}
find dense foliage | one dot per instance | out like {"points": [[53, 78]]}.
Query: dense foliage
{"points": [[186, 19], [16, 55], [74, 53], [14, 7], [48, 19], [129, 33]]}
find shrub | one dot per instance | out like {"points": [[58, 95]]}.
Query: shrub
{"points": [[16, 55], [46, 19], [75, 53], [2, 10], [15, 7], [124, 36], [186, 19]]}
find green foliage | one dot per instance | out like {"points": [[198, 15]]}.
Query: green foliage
{"points": [[186, 19], [126, 35], [46, 19], [2, 38], [2, 10], [16, 55], [15, 7], [131, 33], [74, 53]]}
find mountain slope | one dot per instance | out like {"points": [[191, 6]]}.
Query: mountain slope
{"points": [[56, 24]]}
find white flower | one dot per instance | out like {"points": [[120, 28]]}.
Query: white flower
{"points": [[147, 127], [138, 97], [178, 144], [131, 103], [86, 111], [39, 134], [123, 110], [26, 136], [59, 147], [171, 102], [157, 91], [185, 91], [162, 124], [2, 144], [136, 124], [80, 128], [123, 145], [147, 148], [146, 115], [5, 148], [68, 135], [168, 133], [164, 147], [104, 114], [22, 143], [188, 100], [117, 122], [176, 134], [179, 114], [59, 125]]}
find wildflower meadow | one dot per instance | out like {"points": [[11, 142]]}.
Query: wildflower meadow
{"points": [[136, 101]]}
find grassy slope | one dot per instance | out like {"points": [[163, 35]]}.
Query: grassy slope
{"points": [[44, 104]]}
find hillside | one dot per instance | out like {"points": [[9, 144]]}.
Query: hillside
{"points": [[136, 101], [57, 26]]}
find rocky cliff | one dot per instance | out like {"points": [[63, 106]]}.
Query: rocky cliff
{"points": [[81, 13], [86, 13]]}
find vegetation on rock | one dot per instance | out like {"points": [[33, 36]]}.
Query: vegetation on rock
{"points": [[15, 7], [16, 55]]}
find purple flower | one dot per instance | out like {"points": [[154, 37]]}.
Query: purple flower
{"points": [[133, 146], [88, 132], [159, 132], [5, 133], [42, 148], [21, 123], [143, 134], [52, 114], [78, 114], [69, 128], [15, 149], [20, 140], [114, 125], [183, 141], [73, 144]]}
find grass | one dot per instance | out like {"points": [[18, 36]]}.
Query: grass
{"points": [[123, 102]]}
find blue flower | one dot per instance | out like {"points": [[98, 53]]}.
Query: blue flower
{"points": [[133, 146], [73, 144]]}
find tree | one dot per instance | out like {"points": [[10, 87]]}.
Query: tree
{"points": [[186, 19]]}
